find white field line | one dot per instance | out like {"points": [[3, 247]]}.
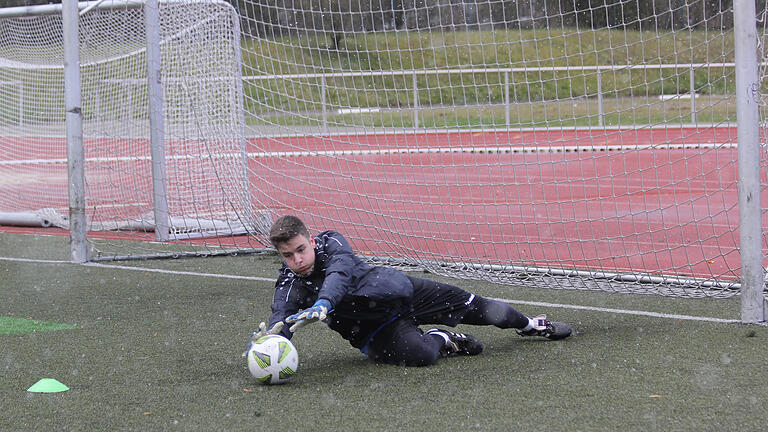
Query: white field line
{"points": [[177, 272], [34, 261], [407, 150], [498, 150], [263, 279], [620, 311]]}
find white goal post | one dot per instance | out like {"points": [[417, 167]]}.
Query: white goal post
{"points": [[753, 303], [605, 145]]}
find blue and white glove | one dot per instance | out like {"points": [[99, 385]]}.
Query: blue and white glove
{"points": [[318, 311], [262, 331]]}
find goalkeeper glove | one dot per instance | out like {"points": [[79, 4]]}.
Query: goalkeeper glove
{"points": [[318, 311], [262, 331]]}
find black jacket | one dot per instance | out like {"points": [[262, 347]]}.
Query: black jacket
{"points": [[363, 297]]}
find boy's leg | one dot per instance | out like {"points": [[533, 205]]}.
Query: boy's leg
{"points": [[485, 311], [439, 303], [402, 343]]}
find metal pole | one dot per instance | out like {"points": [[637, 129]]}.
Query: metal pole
{"points": [[600, 114], [748, 116], [323, 102], [506, 98], [21, 100], [78, 224], [156, 125], [238, 105], [693, 96], [415, 101]]}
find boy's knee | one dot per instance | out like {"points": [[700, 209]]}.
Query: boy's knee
{"points": [[424, 357], [415, 355]]}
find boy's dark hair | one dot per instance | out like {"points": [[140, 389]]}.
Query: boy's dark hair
{"points": [[286, 228]]}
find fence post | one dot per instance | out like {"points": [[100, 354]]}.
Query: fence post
{"points": [[748, 117], [506, 99], [21, 101], [600, 114], [127, 122], [415, 101], [693, 96], [323, 102]]}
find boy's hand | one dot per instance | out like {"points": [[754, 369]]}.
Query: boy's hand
{"points": [[318, 311], [262, 331]]}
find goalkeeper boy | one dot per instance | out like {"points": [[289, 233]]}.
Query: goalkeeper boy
{"points": [[379, 309]]}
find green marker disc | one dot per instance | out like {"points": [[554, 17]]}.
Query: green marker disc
{"points": [[48, 385]]}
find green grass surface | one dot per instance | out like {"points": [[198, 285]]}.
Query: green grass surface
{"points": [[540, 95], [566, 113], [161, 351]]}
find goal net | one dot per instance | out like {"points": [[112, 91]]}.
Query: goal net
{"points": [[202, 120], [587, 145]]}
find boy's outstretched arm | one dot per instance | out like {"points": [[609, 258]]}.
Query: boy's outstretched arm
{"points": [[317, 312]]}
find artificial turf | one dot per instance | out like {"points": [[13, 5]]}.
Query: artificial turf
{"points": [[161, 351]]}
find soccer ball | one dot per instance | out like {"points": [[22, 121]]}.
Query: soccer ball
{"points": [[272, 359]]}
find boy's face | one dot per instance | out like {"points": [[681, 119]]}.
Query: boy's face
{"points": [[298, 254]]}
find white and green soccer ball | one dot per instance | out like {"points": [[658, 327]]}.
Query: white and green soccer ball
{"points": [[272, 359]]}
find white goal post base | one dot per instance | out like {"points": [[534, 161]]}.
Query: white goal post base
{"points": [[180, 228]]}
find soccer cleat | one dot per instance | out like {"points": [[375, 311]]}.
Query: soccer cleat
{"points": [[457, 343], [548, 329]]}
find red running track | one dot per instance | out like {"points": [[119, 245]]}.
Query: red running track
{"points": [[548, 198]]}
